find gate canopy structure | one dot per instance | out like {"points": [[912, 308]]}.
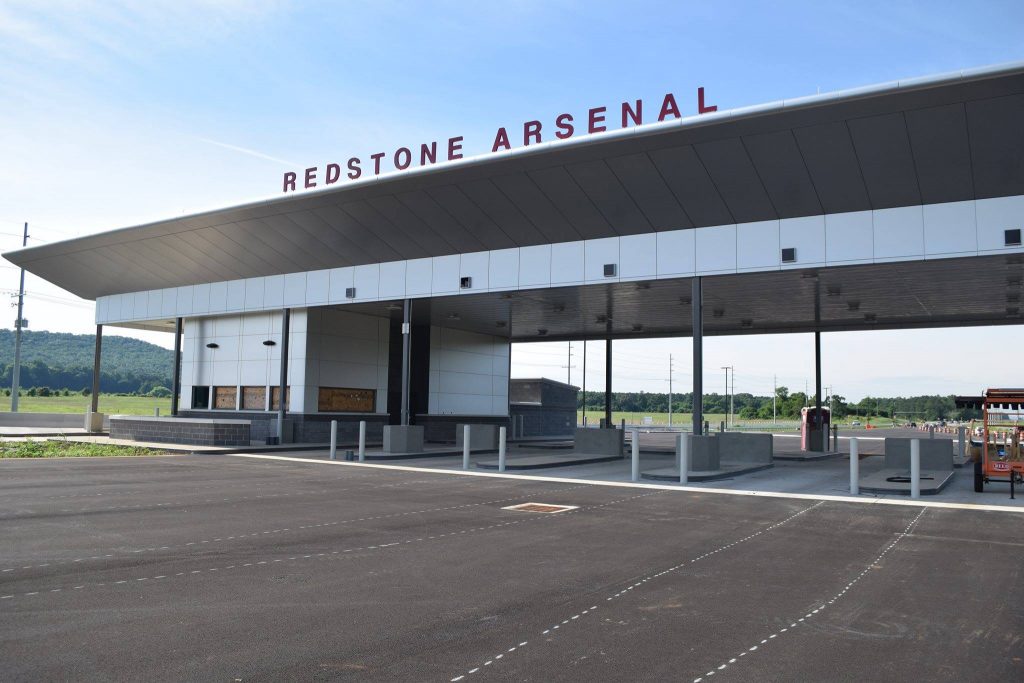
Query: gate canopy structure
{"points": [[892, 206]]}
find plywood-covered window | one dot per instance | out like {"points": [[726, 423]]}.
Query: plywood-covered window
{"points": [[341, 400], [275, 397], [225, 398], [254, 398]]}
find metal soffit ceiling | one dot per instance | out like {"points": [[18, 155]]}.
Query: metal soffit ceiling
{"points": [[943, 142]]}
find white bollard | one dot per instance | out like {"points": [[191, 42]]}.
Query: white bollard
{"points": [[854, 467], [465, 447], [362, 440], [915, 468], [502, 433], [683, 448], [960, 433], [334, 439], [931, 431], [156, 411], [635, 469]]}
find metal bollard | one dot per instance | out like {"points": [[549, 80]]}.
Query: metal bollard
{"points": [[854, 467], [465, 447], [362, 440], [961, 441], [931, 431], [684, 458], [334, 439], [915, 468], [502, 433], [721, 426], [156, 411], [635, 468]]}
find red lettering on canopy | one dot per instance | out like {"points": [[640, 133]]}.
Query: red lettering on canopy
{"points": [[289, 181], [596, 116], [500, 140], [565, 127], [531, 129], [637, 115], [353, 169], [669, 106], [454, 148], [428, 153], [333, 173], [376, 162], [701, 109], [399, 163], [310, 177]]}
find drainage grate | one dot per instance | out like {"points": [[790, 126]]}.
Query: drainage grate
{"points": [[540, 507]]}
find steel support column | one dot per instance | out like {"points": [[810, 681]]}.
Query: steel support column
{"points": [[608, 382], [406, 359], [697, 304], [282, 397], [176, 380], [95, 398], [818, 422]]}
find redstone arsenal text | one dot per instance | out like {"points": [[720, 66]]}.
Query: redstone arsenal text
{"points": [[597, 120]]}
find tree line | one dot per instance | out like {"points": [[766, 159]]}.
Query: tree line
{"points": [[787, 405]]}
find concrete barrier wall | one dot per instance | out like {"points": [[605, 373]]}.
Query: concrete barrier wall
{"points": [[599, 441], [481, 437], [740, 447], [936, 454], [704, 454], [58, 420], [196, 432]]}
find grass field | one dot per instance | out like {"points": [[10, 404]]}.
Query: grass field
{"points": [[50, 448], [111, 405]]}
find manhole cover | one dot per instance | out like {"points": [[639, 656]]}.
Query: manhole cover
{"points": [[540, 507]]}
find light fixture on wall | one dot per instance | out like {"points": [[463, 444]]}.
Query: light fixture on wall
{"points": [[213, 345], [270, 342]]}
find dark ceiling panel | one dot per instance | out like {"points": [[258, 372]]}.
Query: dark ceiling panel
{"points": [[525, 194], [248, 243], [408, 242], [997, 145], [691, 185], [346, 251], [396, 212], [641, 179], [573, 203], [312, 243], [781, 168], [610, 197], [368, 242], [832, 162], [420, 203], [886, 162], [942, 153], [274, 233], [452, 200], [502, 211], [214, 243], [730, 169]]}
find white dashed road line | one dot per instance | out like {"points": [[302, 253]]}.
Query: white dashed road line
{"points": [[550, 631], [817, 610]]}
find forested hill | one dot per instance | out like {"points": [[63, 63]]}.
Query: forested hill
{"points": [[60, 360]]}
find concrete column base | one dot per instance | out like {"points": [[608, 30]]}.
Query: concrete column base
{"points": [[704, 456], [403, 438], [482, 437], [599, 441], [94, 421]]}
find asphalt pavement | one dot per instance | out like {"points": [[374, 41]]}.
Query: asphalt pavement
{"points": [[226, 568]]}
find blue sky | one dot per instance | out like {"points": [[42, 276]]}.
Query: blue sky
{"points": [[116, 113]]}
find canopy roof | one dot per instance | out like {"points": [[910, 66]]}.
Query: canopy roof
{"points": [[938, 139]]}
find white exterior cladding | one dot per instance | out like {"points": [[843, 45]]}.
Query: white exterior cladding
{"points": [[931, 231], [332, 348]]}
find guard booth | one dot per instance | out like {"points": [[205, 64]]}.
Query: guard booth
{"points": [[814, 433]]}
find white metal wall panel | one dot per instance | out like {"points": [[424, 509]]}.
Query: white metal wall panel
{"points": [[475, 266], [995, 216], [849, 237], [677, 253], [757, 245], [392, 280], [503, 269], [445, 278], [254, 287], [716, 249], [201, 299], [294, 290], [638, 257], [807, 235], [597, 253], [567, 261], [340, 280], [236, 295], [218, 297], [535, 266], [899, 233], [366, 280], [273, 292], [419, 277], [318, 286], [950, 229]]}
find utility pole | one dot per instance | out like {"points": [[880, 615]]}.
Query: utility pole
{"points": [[584, 382], [670, 391], [568, 366], [732, 399], [18, 324], [831, 402], [728, 411], [775, 394]]}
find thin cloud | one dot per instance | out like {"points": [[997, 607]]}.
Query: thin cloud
{"points": [[250, 152]]}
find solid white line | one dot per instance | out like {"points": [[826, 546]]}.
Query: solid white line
{"points": [[626, 484]]}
